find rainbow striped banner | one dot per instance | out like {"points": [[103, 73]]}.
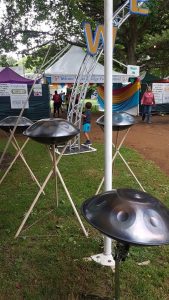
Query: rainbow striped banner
{"points": [[124, 98]]}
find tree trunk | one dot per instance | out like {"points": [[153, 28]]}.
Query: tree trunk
{"points": [[132, 41]]}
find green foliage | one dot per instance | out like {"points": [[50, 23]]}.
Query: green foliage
{"points": [[6, 61], [37, 23]]}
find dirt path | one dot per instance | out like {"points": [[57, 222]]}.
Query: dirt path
{"points": [[151, 140]]}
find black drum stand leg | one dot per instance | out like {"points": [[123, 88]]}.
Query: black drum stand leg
{"points": [[117, 280], [121, 252]]}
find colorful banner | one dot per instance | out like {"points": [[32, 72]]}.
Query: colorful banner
{"points": [[124, 98], [117, 78]]}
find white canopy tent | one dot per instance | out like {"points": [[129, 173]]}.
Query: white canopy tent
{"points": [[67, 68]]}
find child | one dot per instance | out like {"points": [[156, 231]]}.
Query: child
{"points": [[87, 122]]}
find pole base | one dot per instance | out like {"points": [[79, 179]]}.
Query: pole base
{"points": [[104, 260]]}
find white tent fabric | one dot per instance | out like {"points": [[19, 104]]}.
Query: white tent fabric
{"points": [[67, 68]]}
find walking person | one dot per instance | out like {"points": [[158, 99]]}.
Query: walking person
{"points": [[147, 101], [87, 123], [57, 103]]}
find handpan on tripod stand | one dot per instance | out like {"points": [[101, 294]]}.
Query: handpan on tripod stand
{"points": [[122, 121], [130, 217], [8, 124], [52, 132], [20, 124]]}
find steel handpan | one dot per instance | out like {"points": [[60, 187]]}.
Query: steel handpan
{"points": [[121, 121], [52, 131], [8, 124], [129, 216]]}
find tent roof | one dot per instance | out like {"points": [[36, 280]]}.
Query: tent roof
{"points": [[149, 78], [9, 76], [165, 80], [70, 63]]}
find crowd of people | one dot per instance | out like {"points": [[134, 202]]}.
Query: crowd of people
{"points": [[60, 103]]}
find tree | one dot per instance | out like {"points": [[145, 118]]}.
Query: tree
{"points": [[7, 61], [37, 23]]}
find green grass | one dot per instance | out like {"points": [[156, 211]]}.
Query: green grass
{"points": [[47, 261]]}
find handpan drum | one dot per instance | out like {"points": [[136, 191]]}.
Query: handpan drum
{"points": [[129, 216], [121, 121], [8, 124], [52, 131]]}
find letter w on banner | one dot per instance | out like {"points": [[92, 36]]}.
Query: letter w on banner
{"points": [[94, 39], [135, 8]]}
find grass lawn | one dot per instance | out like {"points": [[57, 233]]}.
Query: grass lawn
{"points": [[47, 261]]}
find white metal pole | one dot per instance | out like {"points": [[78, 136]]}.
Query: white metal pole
{"points": [[108, 66], [106, 257]]}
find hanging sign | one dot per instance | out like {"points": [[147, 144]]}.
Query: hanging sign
{"points": [[166, 93], [4, 90], [133, 71], [161, 92], [37, 90], [18, 95], [157, 89], [94, 78]]}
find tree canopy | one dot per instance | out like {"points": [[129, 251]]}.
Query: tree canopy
{"points": [[35, 24]]}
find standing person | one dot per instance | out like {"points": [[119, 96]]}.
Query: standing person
{"points": [[87, 122], [51, 104], [77, 99], [62, 95], [147, 101], [57, 103], [67, 100]]}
